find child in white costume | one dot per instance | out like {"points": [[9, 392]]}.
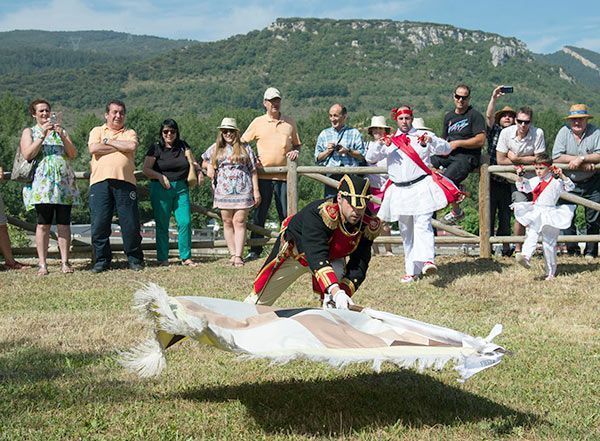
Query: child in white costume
{"points": [[542, 216], [412, 196]]}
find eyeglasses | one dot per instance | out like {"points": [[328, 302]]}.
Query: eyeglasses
{"points": [[225, 131], [523, 121], [169, 132], [458, 97]]}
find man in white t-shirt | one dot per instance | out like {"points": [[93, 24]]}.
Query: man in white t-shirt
{"points": [[517, 145]]}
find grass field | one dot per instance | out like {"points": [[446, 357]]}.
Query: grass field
{"points": [[59, 378]]}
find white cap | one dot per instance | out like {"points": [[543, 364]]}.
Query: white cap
{"points": [[271, 93]]}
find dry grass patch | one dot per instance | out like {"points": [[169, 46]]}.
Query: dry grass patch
{"points": [[59, 378]]}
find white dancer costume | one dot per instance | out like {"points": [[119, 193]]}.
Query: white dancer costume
{"points": [[543, 216], [412, 205]]}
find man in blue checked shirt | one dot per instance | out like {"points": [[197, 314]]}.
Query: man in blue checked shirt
{"points": [[339, 145]]}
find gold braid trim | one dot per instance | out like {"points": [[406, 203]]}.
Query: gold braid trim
{"points": [[372, 228], [350, 284], [330, 214]]}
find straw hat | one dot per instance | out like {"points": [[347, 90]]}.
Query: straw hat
{"points": [[229, 123], [505, 109], [419, 124], [379, 122], [271, 93], [579, 111]]}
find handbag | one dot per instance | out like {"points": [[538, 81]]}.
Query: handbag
{"points": [[23, 170], [192, 178], [451, 191]]}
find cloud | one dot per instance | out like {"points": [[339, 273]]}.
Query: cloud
{"points": [[544, 45], [201, 20]]}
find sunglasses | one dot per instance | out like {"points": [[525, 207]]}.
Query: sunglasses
{"points": [[523, 121], [227, 131], [461, 97], [169, 132]]}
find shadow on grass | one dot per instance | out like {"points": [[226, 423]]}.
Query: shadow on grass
{"points": [[449, 272], [35, 375], [367, 401]]}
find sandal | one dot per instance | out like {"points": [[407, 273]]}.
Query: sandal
{"points": [[66, 268], [43, 270], [238, 261], [189, 262]]}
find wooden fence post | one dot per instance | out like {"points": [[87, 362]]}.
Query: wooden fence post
{"points": [[292, 187], [485, 247]]}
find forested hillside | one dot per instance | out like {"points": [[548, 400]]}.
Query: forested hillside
{"points": [[369, 65]]}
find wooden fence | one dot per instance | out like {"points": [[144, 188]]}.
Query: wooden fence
{"points": [[456, 235]]}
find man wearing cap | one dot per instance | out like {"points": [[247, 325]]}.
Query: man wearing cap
{"points": [[518, 145], [464, 129], [330, 238], [500, 188], [578, 145], [277, 140], [339, 145]]}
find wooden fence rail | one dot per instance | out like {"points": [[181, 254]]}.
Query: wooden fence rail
{"points": [[319, 173]]}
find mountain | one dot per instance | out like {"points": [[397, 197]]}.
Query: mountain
{"points": [[369, 65], [577, 65], [26, 52]]}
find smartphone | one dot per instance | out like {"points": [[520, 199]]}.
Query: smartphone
{"points": [[53, 118], [506, 89]]}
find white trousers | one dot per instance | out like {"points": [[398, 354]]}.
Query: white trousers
{"points": [[549, 237], [418, 241]]}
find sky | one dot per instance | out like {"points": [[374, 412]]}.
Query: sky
{"points": [[545, 26]]}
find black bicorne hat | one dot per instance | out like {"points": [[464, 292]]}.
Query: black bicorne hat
{"points": [[355, 189]]}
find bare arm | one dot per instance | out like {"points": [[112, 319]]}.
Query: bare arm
{"points": [[489, 113], [70, 149], [475, 142], [31, 147]]}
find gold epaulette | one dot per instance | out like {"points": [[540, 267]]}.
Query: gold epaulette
{"points": [[330, 213], [373, 227]]}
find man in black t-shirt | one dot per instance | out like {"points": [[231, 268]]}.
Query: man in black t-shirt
{"points": [[464, 129]]}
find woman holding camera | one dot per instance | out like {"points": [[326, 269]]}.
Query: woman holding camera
{"points": [[53, 191], [167, 164], [231, 166]]}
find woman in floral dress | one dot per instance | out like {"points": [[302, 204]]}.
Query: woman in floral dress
{"points": [[53, 191], [231, 168]]}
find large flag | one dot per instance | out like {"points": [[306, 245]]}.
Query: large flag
{"points": [[335, 336]]}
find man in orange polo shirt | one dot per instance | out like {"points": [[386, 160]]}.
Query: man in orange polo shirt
{"points": [[276, 139], [113, 186]]}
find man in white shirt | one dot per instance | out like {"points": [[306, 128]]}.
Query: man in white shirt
{"points": [[517, 145]]}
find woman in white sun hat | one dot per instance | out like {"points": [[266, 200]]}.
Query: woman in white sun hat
{"points": [[377, 130], [231, 167]]}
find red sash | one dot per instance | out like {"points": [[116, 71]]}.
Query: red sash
{"points": [[452, 193], [540, 188]]}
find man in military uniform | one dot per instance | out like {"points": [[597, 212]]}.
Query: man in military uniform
{"points": [[318, 239]]}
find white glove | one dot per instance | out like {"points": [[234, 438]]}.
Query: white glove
{"points": [[342, 300], [328, 301]]}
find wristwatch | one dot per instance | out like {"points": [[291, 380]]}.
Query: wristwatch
{"points": [[105, 141]]}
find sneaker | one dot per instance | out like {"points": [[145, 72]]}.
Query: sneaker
{"points": [[549, 277], [252, 255], [429, 268], [136, 266], [99, 268], [522, 260], [453, 217], [589, 257], [408, 279]]}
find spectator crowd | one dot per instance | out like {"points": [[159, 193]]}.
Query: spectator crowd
{"points": [[426, 173]]}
